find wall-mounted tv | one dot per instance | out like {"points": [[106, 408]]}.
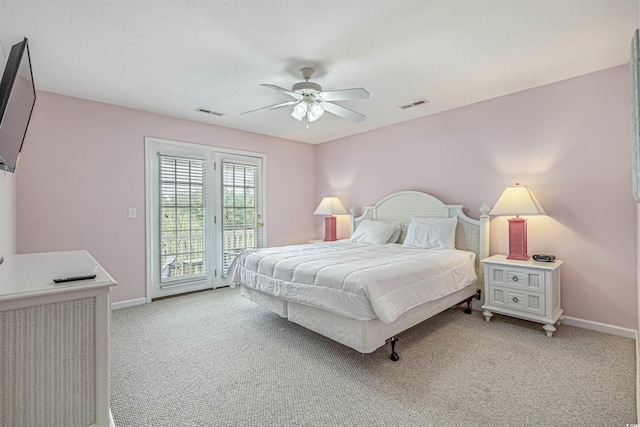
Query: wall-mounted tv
{"points": [[17, 98]]}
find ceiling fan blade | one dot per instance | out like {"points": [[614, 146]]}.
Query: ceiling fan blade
{"points": [[281, 89], [343, 112], [345, 94], [284, 104]]}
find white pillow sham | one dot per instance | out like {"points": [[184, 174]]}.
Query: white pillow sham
{"points": [[431, 233], [373, 232]]}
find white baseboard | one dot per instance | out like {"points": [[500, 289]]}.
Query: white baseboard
{"points": [[600, 327], [128, 303]]}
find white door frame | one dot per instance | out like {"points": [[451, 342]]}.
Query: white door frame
{"points": [[244, 159], [214, 185]]}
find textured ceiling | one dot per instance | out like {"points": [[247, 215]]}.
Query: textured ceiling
{"points": [[172, 57]]}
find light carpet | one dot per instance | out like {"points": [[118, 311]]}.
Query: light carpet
{"points": [[216, 359]]}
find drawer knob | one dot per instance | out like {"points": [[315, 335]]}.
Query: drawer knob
{"points": [[514, 278], [515, 299]]}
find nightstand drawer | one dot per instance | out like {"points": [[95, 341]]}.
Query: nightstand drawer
{"points": [[517, 278], [530, 302]]}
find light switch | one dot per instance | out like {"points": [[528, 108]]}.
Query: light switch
{"points": [[132, 212]]}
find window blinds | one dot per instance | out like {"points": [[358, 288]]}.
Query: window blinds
{"points": [[240, 220], [182, 217]]}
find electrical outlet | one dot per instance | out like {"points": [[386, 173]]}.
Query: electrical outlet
{"points": [[132, 212]]}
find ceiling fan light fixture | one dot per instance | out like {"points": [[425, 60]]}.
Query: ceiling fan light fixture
{"points": [[311, 101], [315, 112], [299, 111]]}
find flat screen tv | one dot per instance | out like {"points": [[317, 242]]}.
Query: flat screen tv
{"points": [[17, 98]]}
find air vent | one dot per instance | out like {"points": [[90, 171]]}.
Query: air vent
{"points": [[213, 113], [415, 104]]}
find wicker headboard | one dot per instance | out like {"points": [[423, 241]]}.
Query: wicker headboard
{"points": [[471, 234]]}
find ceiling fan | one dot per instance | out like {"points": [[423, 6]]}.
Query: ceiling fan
{"points": [[311, 102]]}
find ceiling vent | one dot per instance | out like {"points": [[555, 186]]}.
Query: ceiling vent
{"points": [[213, 113], [415, 104]]}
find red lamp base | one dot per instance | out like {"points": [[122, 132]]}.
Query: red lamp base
{"points": [[518, 239], [330, 228]]}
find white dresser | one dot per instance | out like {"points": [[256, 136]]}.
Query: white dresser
{"points": [[528, 290], [54, 341]]}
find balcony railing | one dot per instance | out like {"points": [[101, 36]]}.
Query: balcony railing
{"points": [[184, 256]]}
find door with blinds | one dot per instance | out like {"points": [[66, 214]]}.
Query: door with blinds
{"points": [[241, 221], [204, 207]]}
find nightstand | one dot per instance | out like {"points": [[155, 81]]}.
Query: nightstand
{"points": [[527, 290]]}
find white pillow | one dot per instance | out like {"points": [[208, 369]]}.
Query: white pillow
{"points": [[434, 233], [419, 236], [373, 232]]}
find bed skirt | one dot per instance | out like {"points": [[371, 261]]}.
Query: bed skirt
{"points": [[364, 336]]}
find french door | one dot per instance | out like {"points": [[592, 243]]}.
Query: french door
{"points": [[241, 217], [204, 207]]}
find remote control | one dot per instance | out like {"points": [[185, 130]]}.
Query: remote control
{"points": [[74, 278]]}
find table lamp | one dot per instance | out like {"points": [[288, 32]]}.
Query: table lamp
{"points": [[517, 201], [330, 206]]}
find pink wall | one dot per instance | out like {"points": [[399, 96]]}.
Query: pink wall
{"points": [[82, 167], [7, 213], [570, 142]]}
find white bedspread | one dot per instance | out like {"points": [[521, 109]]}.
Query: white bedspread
{"points": [[355, 280]]}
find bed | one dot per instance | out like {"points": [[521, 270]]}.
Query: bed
{"points": [[365, 295]]}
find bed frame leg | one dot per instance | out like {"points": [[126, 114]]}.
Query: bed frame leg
{"points": [[468, 309], [394, 356]]}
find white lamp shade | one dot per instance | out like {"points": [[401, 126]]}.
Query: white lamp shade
{"points": [[517, 200], [299, 110], [315, 112], [330, 206]]}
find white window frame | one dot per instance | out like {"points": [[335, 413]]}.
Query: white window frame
{"points": [[211, 154], [173, 281]]}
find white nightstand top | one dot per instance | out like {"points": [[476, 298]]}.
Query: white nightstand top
{"points": [[502, 259]]}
